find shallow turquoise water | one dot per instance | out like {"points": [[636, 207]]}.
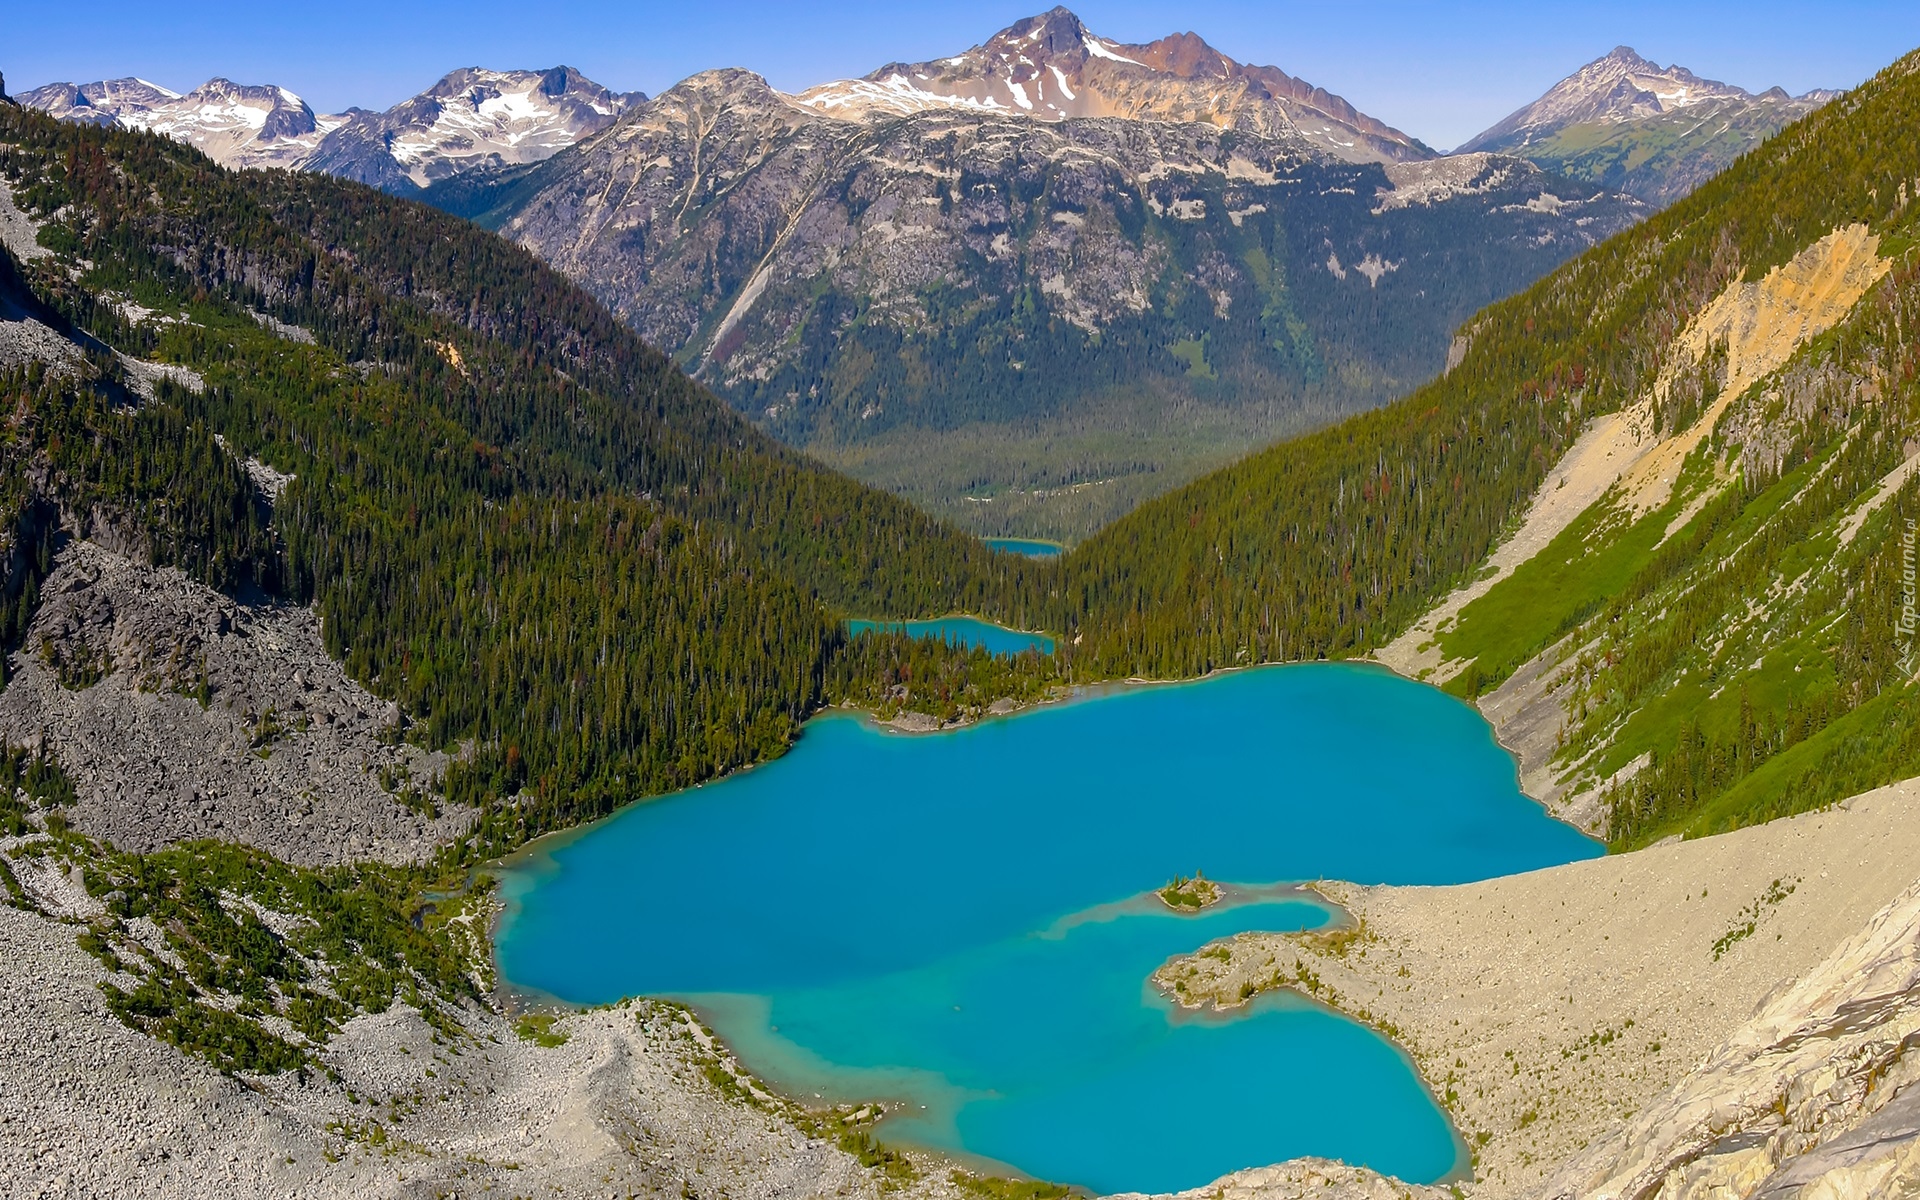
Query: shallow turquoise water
{"points": [[957, 920], [1027, 546], [965, 631]]}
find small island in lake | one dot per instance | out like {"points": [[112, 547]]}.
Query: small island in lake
{"points": [[1190, 895]]}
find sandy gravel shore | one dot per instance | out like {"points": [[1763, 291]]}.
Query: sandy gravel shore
{"points": [[1549, 1008]]}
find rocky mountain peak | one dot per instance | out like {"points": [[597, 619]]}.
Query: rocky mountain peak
{"points": [[470, 117], [1051, 67], [1622, 86], [1056, 31], [282, 114], [103, 102]]}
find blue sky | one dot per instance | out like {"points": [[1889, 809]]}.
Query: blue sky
{"points": [[1439, 71]]}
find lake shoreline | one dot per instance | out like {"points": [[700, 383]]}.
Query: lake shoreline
{"points": [[1219, 741], [1544, 1006]]}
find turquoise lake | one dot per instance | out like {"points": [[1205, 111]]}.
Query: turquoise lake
{"points": [[959, 923], [965, 631], [1026, 546]]}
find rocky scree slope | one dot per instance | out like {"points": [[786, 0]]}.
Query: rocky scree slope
{"points": [[205, 717], [1728, 1017], [1027, 323], [1658, 132]]}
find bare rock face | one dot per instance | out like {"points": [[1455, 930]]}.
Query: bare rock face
{"points": [[1817, 1096], [181, 713]]}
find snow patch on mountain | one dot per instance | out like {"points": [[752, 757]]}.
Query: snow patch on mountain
{"points": [[1099, 51], [237, 125]]}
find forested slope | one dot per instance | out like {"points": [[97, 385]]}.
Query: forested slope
{"points": [[549, 545], [1334, 543], [1328, 544], [517, 520]]}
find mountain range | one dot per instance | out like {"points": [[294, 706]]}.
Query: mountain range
{"points": [[1027, 285], [1030, 284], [1053, 68], [233, 124], [470, 118]]}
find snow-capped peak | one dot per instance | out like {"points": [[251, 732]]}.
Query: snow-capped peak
{"points": [[472, 116], [238, 125]]}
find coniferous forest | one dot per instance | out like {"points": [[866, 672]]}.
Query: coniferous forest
{"points": [[551, 547]]}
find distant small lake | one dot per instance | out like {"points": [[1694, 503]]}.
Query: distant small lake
{"points": [[964, 631], [960, 923], [1026, 546]]}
